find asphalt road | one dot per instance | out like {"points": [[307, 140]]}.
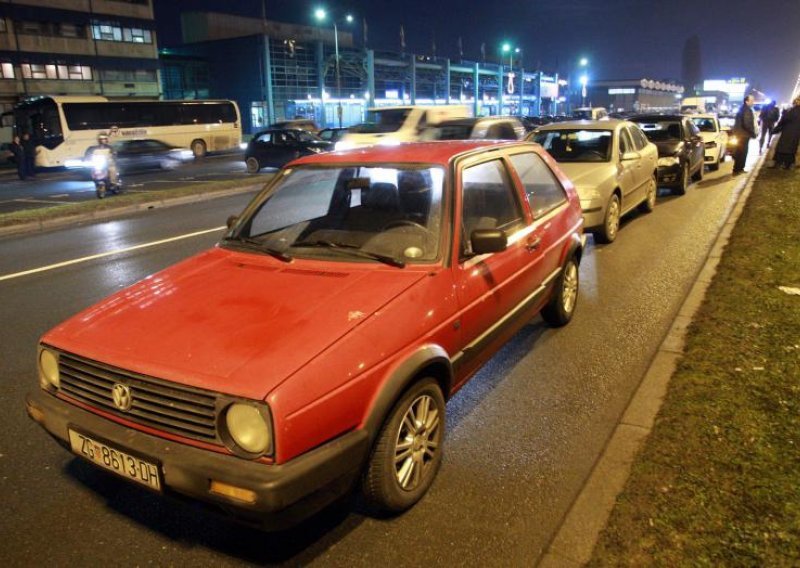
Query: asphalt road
{"points": [[522, 435], [71, 186]]}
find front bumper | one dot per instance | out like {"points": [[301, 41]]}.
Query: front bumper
{"points": [[593, 213], [285, 494]]}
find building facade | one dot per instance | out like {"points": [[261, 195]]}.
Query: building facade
{"points": [[77, 47], [277, 71], [635, 95]]}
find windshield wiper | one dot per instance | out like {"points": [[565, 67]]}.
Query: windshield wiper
{"points": [[352, 250], [261, 246]]}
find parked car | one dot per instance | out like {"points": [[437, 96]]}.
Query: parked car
{"points": [[297, 123], [612, 165], [314, 347], [715, 139], [274, 147], [134, 155], [589, 113], [332, 134], [481, 128], [680, 148]]}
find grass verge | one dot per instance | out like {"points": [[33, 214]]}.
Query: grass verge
{"points": [[718, 481], [120, 201]]}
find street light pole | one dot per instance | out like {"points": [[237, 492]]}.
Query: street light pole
{"points": [[321, 14], [338, 77]]}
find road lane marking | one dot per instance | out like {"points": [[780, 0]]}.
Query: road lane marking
{"points": [[48, 201], [108, 253]]}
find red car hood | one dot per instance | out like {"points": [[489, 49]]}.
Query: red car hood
{"points": [[230, 322]]}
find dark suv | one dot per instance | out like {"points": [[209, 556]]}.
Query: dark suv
{"points": [[680, 148]]}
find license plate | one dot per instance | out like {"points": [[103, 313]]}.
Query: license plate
{"points": [[123, 464]]}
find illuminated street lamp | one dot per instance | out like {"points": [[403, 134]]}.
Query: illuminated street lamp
{"points": [[320, 14], [506, 48], [584, 79]]}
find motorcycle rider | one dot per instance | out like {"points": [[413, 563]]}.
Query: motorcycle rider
{"points": [[103, 148]]}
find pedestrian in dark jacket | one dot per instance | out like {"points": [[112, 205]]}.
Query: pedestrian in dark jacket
{"points": [[19, 156], [789, 129], [767, 118], [744, 128], [30, 155]]}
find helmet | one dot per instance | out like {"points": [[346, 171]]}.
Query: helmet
{"points": [[102, 137]]}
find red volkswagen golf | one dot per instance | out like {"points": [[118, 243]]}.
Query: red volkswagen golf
{"points": [[313, 349]]}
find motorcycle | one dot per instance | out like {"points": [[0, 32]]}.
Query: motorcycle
{"points": [[101, 175]]}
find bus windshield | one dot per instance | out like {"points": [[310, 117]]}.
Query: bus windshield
{"points": [[40, 119]]}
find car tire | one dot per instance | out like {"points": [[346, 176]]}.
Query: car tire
{"points": [[608, 232], [252, 165], [558, 311], [413, 430], [683, 184], [198, 148], [649, 202], [698, 175], [100, 190]]}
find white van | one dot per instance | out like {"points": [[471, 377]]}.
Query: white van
{"points": [[393, 125], [590, 113]]}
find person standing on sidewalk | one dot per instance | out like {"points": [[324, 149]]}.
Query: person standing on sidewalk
{"points": [[19, 156], [30, 155], [744, 128], [767, 118], [789, 128]]}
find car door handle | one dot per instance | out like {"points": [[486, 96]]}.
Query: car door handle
{"points": [[534, 244]]}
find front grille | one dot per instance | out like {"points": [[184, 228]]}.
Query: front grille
{"points": [[166, 406]]}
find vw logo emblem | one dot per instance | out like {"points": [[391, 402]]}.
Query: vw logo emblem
{"points": [[121, 394]]}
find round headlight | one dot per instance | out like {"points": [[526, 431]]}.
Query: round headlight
{"points": [[48, 368], [248, 428]]}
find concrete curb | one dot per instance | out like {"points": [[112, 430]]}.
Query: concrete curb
{"points": [[580, 529], [58, 222]]}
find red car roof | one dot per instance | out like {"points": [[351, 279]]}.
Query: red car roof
{"points": [[412, 152]]}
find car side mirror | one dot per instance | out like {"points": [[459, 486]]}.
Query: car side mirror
{"points": [[628, 156], [485, 241], [232, 221]]}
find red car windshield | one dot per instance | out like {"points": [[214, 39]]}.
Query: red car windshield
{"points": [[389, 211]]}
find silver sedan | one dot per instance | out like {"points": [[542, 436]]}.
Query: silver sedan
{"points": [[612, 165]]}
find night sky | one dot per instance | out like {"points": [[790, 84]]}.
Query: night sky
{"points": [[623, 39]]}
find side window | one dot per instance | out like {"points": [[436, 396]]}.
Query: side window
{"points": [[638, 137], [265, 138], [488, 201], [625, 142], [542, 188]]}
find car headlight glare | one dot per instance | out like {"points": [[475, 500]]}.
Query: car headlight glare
{"points": [[248, 428], [49, 376], [671, 161]]}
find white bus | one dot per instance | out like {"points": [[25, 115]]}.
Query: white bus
{"points": [[64, 127]]}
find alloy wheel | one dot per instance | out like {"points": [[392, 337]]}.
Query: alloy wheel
{"points": [[417, 442], [569, 293]]}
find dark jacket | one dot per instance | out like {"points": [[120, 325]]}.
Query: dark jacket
{"points": [[745, 124], [789, 128], [19, 153], [769, 116]]}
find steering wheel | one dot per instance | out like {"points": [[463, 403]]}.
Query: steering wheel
{"points": [[405, 223]]}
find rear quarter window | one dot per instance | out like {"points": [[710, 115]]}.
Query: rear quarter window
{"points": [[542, 189]]}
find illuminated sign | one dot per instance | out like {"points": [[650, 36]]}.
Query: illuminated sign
{"points": [[621, 91], [548, 87]]}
